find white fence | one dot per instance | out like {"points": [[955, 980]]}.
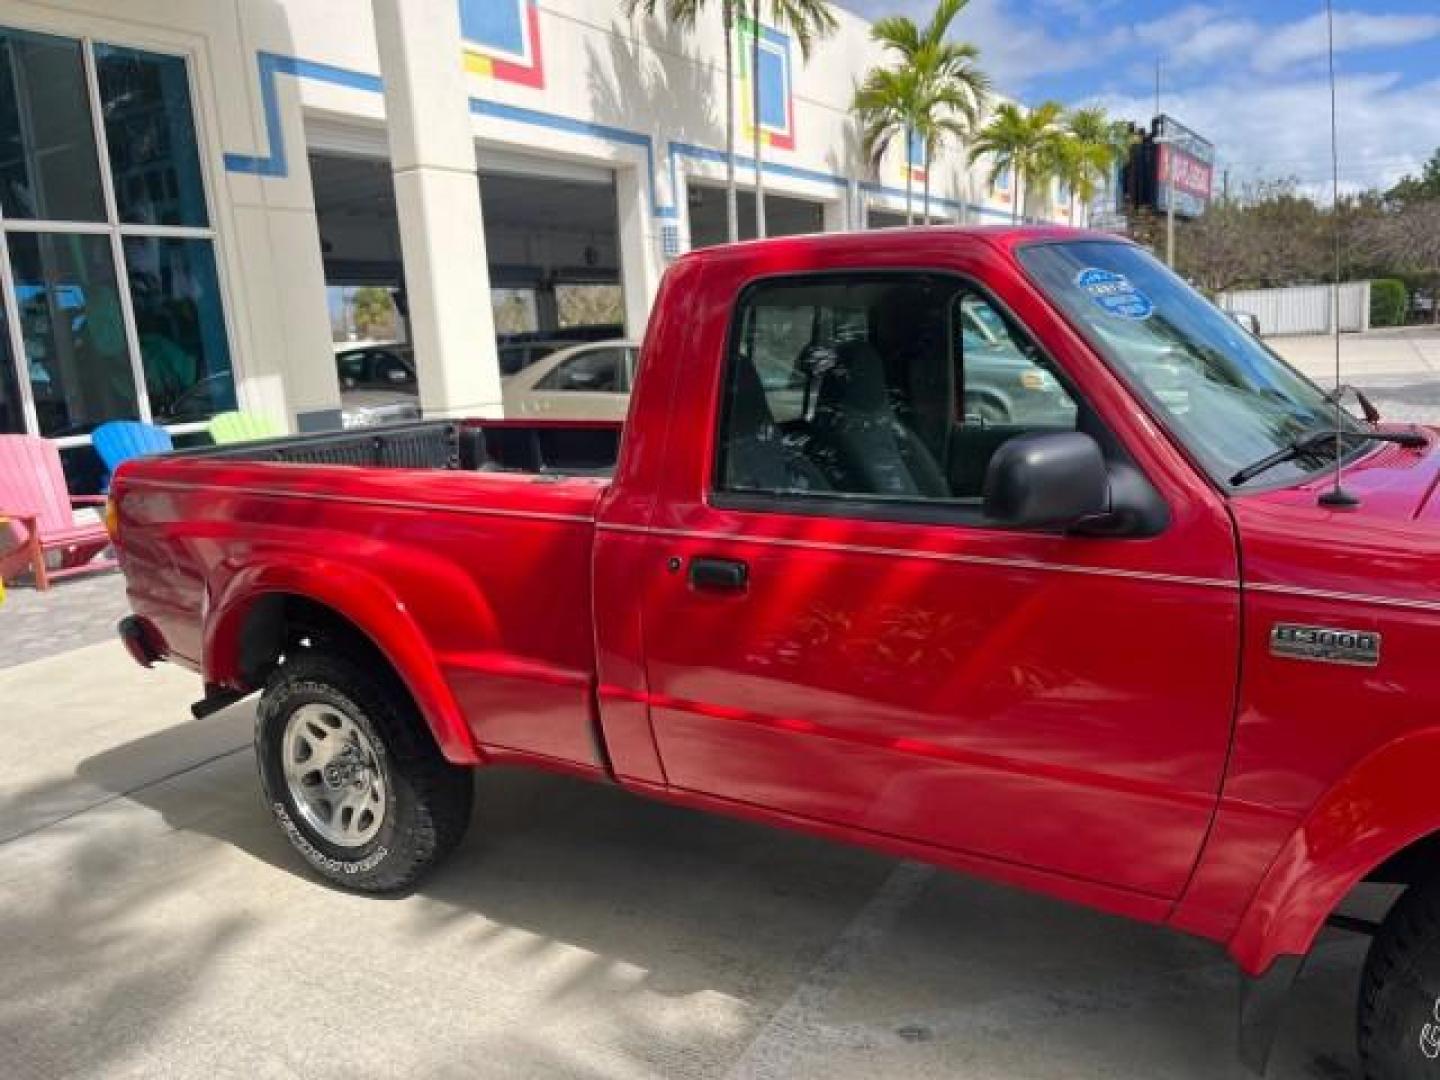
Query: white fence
{"points": [[1304, 309]]}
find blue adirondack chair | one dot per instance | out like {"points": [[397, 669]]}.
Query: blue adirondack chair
{"points": [[121, 440]]}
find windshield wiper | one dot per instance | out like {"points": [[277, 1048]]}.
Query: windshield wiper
{"points": [[1367, 407], [1314, 441]]}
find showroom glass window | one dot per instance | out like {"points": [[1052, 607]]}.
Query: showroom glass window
{"points": [[112, 307]]}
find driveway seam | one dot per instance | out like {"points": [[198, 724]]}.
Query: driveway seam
{"points": [[71, 815]]}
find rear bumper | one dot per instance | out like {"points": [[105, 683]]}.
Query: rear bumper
{"points": [[140, 641]]}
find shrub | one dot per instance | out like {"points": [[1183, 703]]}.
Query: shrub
{"points": [[1388, 302]]}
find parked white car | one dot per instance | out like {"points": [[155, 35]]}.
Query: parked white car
{"points": [[590, 381]]}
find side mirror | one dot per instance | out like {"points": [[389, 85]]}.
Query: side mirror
{"points": [[1049, 480], [1060, 480]]}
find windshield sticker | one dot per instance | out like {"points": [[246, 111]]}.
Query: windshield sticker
{"points": [[1114, 294]]}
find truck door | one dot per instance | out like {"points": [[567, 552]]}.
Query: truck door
{"points": [[835, 633]]}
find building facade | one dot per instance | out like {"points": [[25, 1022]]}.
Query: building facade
{"points": [[186, 188]]}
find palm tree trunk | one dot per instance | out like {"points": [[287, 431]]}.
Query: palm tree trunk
{"points": [[909, 182], [1019, 189], [732, 213], [755, 120], [927, 185]]}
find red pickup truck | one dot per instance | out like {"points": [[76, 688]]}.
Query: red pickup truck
{"points": [[1112, 639]]}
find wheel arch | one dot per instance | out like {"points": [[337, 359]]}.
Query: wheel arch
{"points": [[263, 611], [1377, 823]]}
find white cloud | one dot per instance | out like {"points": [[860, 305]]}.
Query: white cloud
{"points": [[1268, 129], [1080, 10], [1015, 48], [1255, 90], [1305, 40], [1214, 42]]}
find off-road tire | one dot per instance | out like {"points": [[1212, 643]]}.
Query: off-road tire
{"points": [[1399, 1021], [427, 800]]}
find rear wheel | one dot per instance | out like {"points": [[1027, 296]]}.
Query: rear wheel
{"points": [[352, 776], [1399, 1022]]}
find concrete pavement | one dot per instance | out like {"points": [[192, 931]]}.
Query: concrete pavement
{"points": [[1399, 369], [153, 923], [75, 611]]}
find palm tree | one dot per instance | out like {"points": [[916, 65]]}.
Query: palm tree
{"points": [[885, 105], [808, 20], [1025, 143], [685, 13], [950, 92], [1093, 145], [958, 94]]}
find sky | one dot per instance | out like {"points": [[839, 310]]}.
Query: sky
{"points": [[1250, 77]]}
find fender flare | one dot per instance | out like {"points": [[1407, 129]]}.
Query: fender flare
{"points": [[1377, 809], [368, 603]]}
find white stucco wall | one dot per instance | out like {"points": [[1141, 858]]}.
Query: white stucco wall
{"points": [[636, 97]]}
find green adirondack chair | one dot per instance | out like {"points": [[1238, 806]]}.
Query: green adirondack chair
{"points": [[234, 427]]}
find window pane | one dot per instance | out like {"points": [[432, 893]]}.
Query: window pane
{"points": [[593, 371], [599, 306], [879, 387], [74, 333], [150, 133], [842, 387], [48, 165], [12, 413], [515, 311], [1227, 396], [178, 318], [1005, 379]]}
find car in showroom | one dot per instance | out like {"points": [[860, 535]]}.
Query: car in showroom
{"points": [[377, 384], [590, 381]]}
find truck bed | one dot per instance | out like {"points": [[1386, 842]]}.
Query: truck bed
{"points": [[474, 536], [580, 448]]}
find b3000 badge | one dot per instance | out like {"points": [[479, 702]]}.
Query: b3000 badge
{"points": [[1325, 644]]}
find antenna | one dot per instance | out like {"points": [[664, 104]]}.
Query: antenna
{"points": [[1337, 498]]}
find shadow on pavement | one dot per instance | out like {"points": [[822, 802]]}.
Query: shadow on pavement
{"points": [[691, 903]]}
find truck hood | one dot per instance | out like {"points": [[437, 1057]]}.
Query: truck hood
{"points": [[1388, 546], [1393, 483]]}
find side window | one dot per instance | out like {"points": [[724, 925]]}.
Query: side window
{"points": [[1006, 388], [513, 358], [352, 368], [597, 371], [877, 387], [391, 371], [1005, 379]]}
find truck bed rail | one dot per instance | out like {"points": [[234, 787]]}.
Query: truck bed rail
{"points": [[581, 448]]}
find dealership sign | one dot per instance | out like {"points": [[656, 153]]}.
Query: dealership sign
{"points": [[1188, 159]]}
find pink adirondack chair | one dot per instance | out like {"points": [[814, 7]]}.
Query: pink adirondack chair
{"points": [[37, 514]]}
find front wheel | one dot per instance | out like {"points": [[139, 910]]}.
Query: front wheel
{"points": [[1399, 1022], [352, 776]]}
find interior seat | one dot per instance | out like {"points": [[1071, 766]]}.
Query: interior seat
{"points": [[856, 422], [758, 455]]}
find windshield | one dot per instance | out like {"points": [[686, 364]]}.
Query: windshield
{"points": [[1224, 394]]}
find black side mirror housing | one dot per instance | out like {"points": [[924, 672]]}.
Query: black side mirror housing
{"points": [[1060, 480], [1051, 480]]}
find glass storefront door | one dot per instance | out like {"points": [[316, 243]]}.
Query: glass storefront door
{"points": [[112, 307]]}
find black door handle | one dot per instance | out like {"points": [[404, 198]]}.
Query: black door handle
{"points": [[719, 575]]}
